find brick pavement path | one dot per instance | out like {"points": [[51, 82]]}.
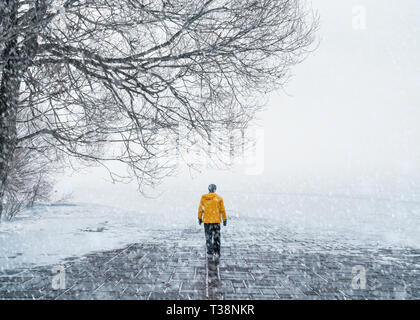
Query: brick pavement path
{"points": [[259, 261]]}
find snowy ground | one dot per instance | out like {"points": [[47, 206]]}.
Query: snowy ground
{"points": [[50, 233], [259, 261]]}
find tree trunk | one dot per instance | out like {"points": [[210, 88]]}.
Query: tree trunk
{"points": [[9, 93]]}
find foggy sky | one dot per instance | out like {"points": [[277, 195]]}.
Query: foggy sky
{"points": [[348, 118], [353, 108]]}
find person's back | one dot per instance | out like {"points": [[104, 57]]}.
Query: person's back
{"points": [[210, 211], [212, 208]]}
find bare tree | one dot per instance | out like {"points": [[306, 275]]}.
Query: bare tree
{"points": [[28, 181], [135, 81]]}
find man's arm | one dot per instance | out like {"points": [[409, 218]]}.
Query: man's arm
{"points": [[201, 209], [222, 210]]}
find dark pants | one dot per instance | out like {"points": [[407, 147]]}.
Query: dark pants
{"points": [[212, 231]]}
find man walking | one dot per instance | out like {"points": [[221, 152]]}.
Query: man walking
{"points": [[212, 207]]}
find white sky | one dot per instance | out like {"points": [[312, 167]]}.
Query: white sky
{"points": [[348, 119], [354, 105]]}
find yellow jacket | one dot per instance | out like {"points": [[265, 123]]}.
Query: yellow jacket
{"points": [[211, 206]]}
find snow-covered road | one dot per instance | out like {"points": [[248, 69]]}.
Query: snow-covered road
{"points": [[260, 260], [275, 246], [49, 233]]}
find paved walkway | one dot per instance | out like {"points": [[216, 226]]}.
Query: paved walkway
{"points": [[259, 262]]}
